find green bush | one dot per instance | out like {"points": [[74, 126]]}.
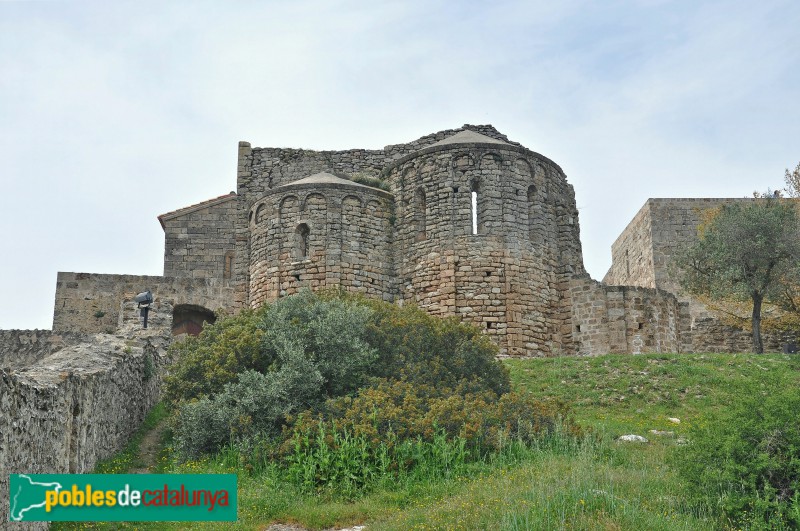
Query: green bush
{"points": [[255, 404], [398, 409], [329, 331], [425, 350], [745, 462], [205, 363], [373, 367]]}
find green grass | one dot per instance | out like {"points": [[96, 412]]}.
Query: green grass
{"points": [[128, 458], [597, 483], [631, 394]]}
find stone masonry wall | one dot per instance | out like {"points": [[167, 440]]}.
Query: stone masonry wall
{"points": [[642, 256], [626, 319], [90, 302], [19, 348], [75, 407], [632, 253], [263, 169], [674, 225], [321, 234], [650, 242], [200, 240], [507, 278]]}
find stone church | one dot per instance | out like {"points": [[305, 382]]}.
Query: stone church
{"points": [[463, 222]]}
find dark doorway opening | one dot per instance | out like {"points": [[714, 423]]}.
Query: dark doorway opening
{"points": [[189, 319]]}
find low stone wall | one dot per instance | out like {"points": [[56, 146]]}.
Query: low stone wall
{"points": [[625, 319], [90, 302], [710, 335], [77, 406], [19, 348]]}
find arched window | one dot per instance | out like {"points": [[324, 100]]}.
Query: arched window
{"points": [[420, 214], [301, 242], [474, 189]]}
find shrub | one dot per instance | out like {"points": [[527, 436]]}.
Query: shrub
{"points": [[330, 457], [390, 410], [376, 367], [307, 349], [745, 462], [429, 351], [328, 331], [205, 363], [253, 405]]}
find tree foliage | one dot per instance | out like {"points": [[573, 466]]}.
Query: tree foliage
{"points": [[747, 250], [745, 461], [792, 180]]}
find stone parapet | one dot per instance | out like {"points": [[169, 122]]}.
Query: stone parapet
{"points": [[67, 411]]}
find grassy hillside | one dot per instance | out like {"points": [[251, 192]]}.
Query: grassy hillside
{"points": [[564, 484]]}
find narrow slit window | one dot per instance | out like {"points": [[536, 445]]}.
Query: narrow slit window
{"points": [[532, 212], [227, 268], [474, 199]]}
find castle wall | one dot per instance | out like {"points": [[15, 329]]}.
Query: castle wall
{"points": [[200, 241], [90, 302], [632, 253], [626, 319], [319, 235], [75, 407], [653, 239], [710, 335], [19, 348]]}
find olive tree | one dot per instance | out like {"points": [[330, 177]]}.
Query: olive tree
{"points": [[792, 180], [747, 250]]}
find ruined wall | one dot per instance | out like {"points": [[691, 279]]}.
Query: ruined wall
{"points": [[75, 407], [643, 254], [317, 232], [710, 335], [626, 319], [90, 302], [507, 278], [19, 348], [200, 240]]}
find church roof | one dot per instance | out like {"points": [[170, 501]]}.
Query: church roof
{"points": [[192, 208], [468, 137], [324, 178]]}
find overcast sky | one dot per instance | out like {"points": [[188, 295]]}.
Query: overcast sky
{"points": [[112, 113]]}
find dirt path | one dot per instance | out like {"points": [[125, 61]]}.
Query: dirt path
{"points": [[149, 449]]}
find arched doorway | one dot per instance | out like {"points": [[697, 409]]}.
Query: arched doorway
{"points": [[189, 319]]}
